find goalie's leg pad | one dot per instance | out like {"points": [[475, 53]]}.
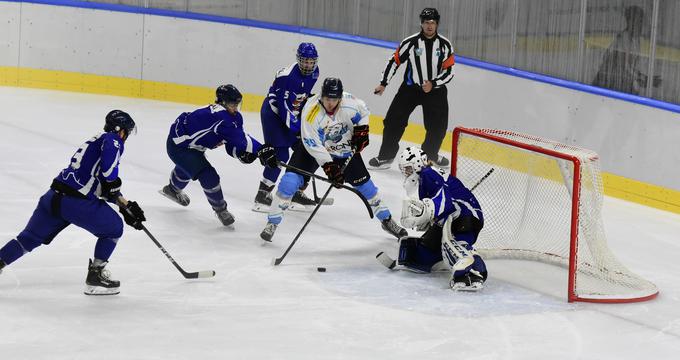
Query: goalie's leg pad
{"points": [[414, 255]]}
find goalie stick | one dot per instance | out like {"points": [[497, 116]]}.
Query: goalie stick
{"points": [[390, 263], [187, 275]]}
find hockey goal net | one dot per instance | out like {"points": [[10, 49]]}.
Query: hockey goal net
{"points": [[543, 202]]}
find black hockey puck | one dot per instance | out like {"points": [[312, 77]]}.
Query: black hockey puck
{"points": [[321, 269]]}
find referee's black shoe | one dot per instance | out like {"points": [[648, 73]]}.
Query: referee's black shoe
{"points": [[441, 161], [377, 163]]}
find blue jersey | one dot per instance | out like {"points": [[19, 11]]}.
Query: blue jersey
{"points": [[211, 127], [449, 196], [288, 92], [95, 161]]}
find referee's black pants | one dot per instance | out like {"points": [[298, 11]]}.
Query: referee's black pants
{"points": [[435, 118]]}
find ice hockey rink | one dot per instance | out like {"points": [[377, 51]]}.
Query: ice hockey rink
{"points": [[250, 310]]}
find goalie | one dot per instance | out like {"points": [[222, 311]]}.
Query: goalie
{"points": [[451, 217]]}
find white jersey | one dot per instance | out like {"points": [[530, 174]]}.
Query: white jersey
{"points": [[327, 136]]}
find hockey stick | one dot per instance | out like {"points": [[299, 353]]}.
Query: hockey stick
{"points": [[278, 260], [482, 179], [315, 176], [187, 275], [328, 201]]}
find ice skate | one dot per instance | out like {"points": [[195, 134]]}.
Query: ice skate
{"points": [[393, 228], [98, 281], [2, 265], [377, 163], [441, 161], [472, 281], [263, 199], [268, 232], [225, 216], [175, 195], [300, 202]]}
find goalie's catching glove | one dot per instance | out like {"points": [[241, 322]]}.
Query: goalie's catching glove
{"points": [[417, 213]]}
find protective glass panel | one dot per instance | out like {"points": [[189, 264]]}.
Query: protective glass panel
{"points": [[482, 29], [334, 15], [547, 37], [381, 19], [666, 76], [617, 45]]}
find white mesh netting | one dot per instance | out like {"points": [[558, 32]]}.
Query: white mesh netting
{"points": [[528, 202]]}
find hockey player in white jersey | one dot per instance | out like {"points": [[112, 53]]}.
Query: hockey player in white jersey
{"points": [[451, 217], [334, 129]]}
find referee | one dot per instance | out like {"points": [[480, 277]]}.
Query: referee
{"points": [[429, 67]]}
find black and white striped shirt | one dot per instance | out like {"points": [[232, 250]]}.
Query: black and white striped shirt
{"points": [[427, 59]]}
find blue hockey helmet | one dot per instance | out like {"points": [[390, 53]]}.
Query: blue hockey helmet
{"points": [[307, 58], [331, 88], [429, 14], [228, 94], [117, 120]]}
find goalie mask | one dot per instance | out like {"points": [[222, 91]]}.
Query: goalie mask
{"points": [[411, 161]]}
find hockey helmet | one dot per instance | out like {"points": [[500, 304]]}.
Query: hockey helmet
{"points": [[331, 88], [412, 160], [429, 14], [228, 94], [117, 120], [307, 58]]}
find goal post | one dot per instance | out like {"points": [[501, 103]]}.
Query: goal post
{"points": [[544, 203]]}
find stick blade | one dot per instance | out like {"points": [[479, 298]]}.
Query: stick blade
{"points": [[276, 261], [385, 260], [200, 274]]}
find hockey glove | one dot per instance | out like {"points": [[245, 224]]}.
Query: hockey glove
{"points": [[360, 137], [267, 155], [246, 157], [334, 173], [416, 213], [111, 189], [133, 215]]}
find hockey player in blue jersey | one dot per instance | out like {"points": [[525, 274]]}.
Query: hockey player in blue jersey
{"points": [[334, 128], [79, 196], [208, 128], [280, 120], [451, 216]]}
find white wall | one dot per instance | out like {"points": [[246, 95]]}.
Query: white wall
{"points": [[9, 34], [634, 141]]}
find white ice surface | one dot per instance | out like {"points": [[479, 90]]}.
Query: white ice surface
{"points": [[251, 310]]}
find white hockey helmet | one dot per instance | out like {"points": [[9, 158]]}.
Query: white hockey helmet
{"points": [[412, 160]]}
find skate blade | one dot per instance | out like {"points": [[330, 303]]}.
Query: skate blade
{"points": [[262, 208], [464, 288], [328, 201], [300, 207], [98, 290], [380, 167], [171, 198]]}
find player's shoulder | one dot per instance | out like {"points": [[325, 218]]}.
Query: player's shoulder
{"points": [[349, 100], [286, 71], [111, 138], [312, 109]]}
